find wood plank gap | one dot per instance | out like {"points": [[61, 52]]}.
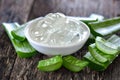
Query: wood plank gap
{"points": [[30, 13]]}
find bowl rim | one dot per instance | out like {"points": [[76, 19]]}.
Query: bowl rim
{"points": [[82, 41]]}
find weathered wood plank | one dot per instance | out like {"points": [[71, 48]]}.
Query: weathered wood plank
{"points": [[10, 11], [107, 8], [7, 58], [116, 3]]}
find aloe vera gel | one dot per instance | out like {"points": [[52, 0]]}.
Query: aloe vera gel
{"points": [[55, 29]]}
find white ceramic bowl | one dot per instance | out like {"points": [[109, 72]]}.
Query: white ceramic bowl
{"points": [[56, 50]]}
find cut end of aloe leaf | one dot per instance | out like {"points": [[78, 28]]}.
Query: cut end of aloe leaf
{"points": [[17, 36], [18, 33], [50, 64], [96, 54], [26, 54], [115, 40], [105, 46], [73, 64], [94, 64]]}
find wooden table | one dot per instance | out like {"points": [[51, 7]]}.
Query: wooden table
{"points": [[14, 68]]}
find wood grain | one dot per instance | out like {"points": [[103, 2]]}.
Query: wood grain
{"points": [[10, 11], [15, 68], [106, 8]]}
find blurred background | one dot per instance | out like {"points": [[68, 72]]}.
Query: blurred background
{"points": [[34, 8], [107, 8]]}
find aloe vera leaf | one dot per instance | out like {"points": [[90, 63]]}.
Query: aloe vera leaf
{"points": [[106, 46], [22, 48], [96, 54], [73, 64], [50, 64], [105, 27]]}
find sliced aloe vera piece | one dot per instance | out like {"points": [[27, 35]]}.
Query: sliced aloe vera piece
{"points": [[96, 54], [105, 46], [50, 64], [94, 64], [115, 40], [105, 27], [73, 64], [23, 49]]}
